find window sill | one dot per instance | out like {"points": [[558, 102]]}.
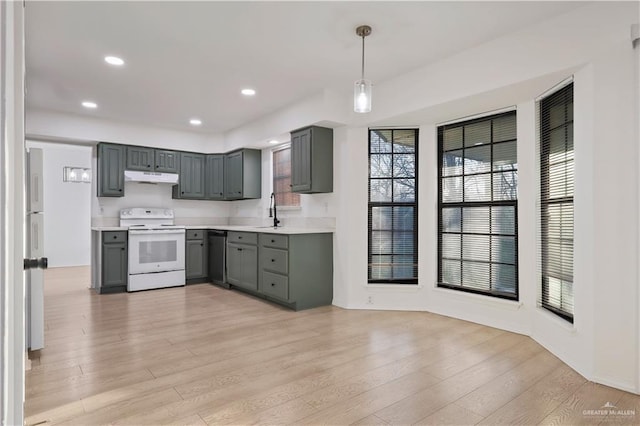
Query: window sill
{"points": [[556, 320], [478, 298], [405, 288], [289, 208]]}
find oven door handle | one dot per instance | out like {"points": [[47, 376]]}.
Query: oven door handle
{"points": [[156, 231]]}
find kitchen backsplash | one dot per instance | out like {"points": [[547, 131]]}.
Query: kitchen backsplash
{"points": [[293, 222]]}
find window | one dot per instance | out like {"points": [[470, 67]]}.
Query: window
{"points": [[393, 206], [282, 178], [556, 202], [477, 211]]}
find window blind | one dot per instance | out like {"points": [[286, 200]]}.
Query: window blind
{"points": [[556, 202], [393, 206], [477, 206], [282, 178]]}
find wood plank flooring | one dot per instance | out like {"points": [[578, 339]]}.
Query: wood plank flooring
{"points": [[202, 355]]}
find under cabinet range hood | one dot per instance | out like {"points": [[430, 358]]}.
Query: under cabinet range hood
{"points": [[150, 177]]}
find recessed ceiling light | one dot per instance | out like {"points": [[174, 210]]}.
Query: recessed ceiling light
{"points": [[195, 122], [248, 92], [89, 104], [273, 141], [114, 60]]}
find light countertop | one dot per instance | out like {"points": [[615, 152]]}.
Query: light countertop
{"points": [[240, 228], [109, 228]]}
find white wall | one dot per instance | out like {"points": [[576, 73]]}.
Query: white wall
{"points": [[593, 42], [67, 205]]}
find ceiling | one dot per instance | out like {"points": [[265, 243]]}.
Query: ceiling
{"points": [[191, 59]]}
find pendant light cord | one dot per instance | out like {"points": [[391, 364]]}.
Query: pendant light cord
{"points": [[362, 57]]}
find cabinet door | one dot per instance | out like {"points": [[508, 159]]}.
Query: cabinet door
{"points": [[234, 263], [167, 161], [191, 175], [139, 158], [196, 255], [250, 263], [111, 162], [233, 173], [114, 264], [242, 265], [214, 172], [301, 160]]}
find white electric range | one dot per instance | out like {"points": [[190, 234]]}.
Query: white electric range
{"points": [[156, 248]]}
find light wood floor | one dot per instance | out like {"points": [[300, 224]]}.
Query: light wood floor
{"points": [[205, 355]]}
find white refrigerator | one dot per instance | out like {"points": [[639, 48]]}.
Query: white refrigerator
{"points": [[34, 278]]}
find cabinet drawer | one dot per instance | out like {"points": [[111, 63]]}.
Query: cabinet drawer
{"points": [[114, 236], [196, 234], [274, 260], [274, 240], [275, 285], [242, 237]]}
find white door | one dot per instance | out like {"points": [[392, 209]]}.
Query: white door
{"points": [[12, 210]]}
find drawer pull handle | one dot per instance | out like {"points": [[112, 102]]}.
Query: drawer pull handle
{"points": [[273, 241], [273, 260], [239, 249], [239, 238], [115, 237], [273, 285]]}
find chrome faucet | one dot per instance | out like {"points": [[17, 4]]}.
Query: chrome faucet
{"points": [[273, 210]]}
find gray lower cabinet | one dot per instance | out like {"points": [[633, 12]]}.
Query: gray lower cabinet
{"points": [[312, 160], [111, 163], [114, 262], [196, 255], [140, 158], [243, 174], [192, 177], [214, 177], [296, 270], [242, 260]]}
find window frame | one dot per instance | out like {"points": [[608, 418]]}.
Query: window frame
{"points": [[274, 150], [545, 203], [470, 204], [391, 204]]}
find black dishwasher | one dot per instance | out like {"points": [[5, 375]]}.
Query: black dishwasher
{"points": [[217, 257]]}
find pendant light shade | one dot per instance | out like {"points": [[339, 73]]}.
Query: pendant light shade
{"points": [[362, 96], [362, 89]]}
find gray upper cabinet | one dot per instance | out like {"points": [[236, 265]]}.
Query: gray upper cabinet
{"points": [[312, 160], [140, 158], [167, 161], [191, 184], [243, 174], [111, 163], [214, 177]]}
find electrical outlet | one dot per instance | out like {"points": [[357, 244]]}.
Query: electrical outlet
{"points": [[370, 300]]}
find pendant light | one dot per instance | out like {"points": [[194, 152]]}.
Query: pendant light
{"points": [[362, 91]]}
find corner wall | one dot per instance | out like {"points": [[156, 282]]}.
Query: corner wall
{"points": [[592, 44], [67, 205]]}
